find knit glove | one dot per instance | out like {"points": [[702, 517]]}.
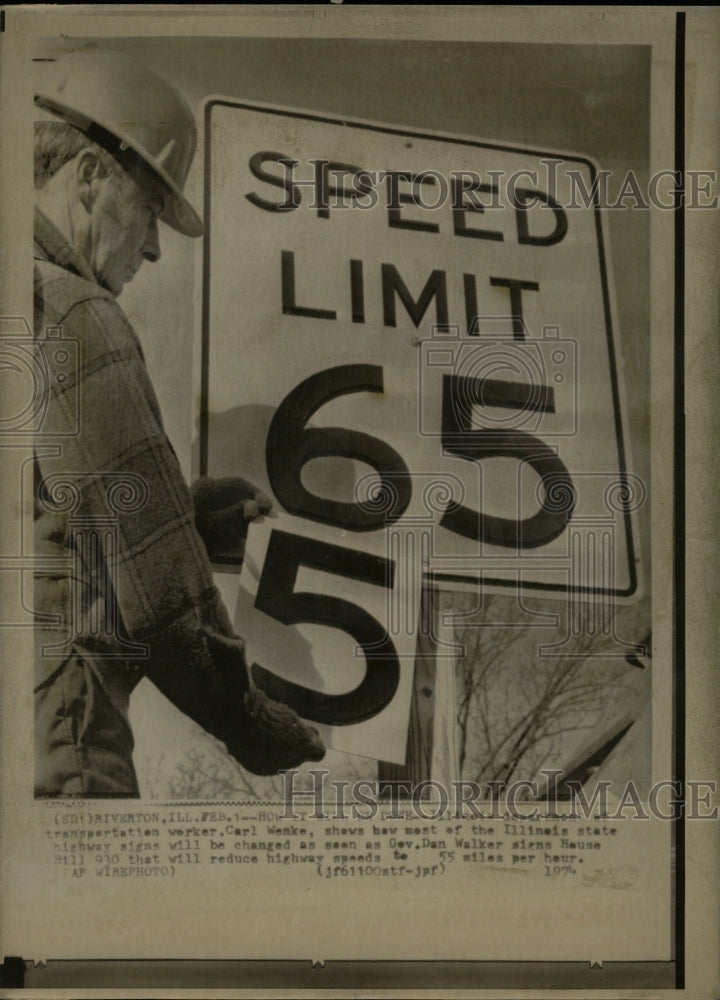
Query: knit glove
{"points": [[224, 509], [276, 739]]}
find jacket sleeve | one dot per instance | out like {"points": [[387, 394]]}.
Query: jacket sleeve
{"points": [[125, 469]]}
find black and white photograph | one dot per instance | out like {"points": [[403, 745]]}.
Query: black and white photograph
{"points": [[353, 549]]}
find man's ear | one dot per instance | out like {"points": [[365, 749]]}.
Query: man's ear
{"points": [[89, 169]]}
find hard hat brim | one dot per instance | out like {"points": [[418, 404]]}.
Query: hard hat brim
{"points": [[178, 212]]}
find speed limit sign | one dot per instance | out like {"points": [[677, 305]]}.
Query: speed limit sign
{"points": [[408, 342]]}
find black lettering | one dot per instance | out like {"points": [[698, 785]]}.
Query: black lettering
{"points": [[278, 598], [396, 199], [257, 162], [289, 307], [471, 305], [459, 438], [435, 287], [357, 291], [524, 199], [460, 207], [516, 288], [323, 187]]}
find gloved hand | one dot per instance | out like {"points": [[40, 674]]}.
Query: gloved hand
{"points": [[276, 738], [223, 510]]}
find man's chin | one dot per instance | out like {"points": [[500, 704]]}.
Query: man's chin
{"points": [[110, 285]]}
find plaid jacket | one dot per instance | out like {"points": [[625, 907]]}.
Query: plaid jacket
{"points": [[138, 560]]}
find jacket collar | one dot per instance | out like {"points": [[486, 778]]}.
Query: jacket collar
{"points": [[50, 244]]}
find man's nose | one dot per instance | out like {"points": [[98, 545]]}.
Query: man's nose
{"points": [[151, 246]]}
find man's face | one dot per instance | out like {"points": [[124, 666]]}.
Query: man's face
{"points": [[123, 227]]}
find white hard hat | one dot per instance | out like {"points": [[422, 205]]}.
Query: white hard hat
{"points": [[120, 104]]}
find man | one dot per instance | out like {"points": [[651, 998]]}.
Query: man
{"points": [[125, 589]]}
